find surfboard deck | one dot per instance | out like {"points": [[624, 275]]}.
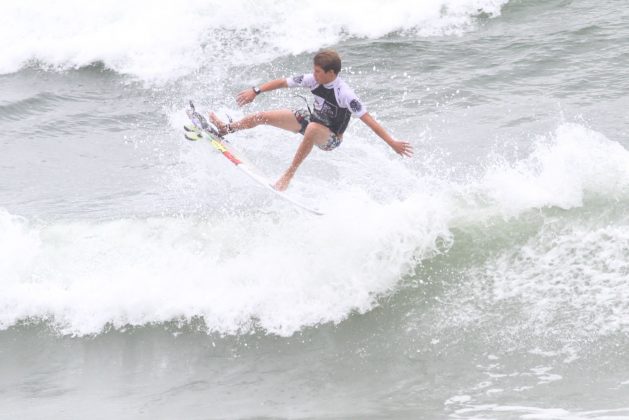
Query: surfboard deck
{"points": [[200, 129]]}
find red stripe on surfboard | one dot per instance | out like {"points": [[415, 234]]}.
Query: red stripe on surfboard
{"points": [[232, 158]]}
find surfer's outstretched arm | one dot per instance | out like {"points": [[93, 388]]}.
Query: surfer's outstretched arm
{"points": [[248, 95], [402, 148]]}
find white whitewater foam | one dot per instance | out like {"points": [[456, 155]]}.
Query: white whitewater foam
{"points": [[284, 271], [563, 168], [571, 275], [284, 275], [160, 40]]}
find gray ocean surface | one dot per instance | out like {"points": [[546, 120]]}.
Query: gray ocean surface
{"points": [[144, 277]]}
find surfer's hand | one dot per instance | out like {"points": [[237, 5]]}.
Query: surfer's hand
{"points": [[245, 97], [402, 148]]}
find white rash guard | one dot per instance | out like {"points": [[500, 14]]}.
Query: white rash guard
{"points": [[334, 104]]}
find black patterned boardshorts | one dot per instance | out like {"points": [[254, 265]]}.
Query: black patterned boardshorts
{"points": [[303, 118]]}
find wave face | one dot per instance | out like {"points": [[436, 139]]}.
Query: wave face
{"points": [[284, 273], [160, 41]]}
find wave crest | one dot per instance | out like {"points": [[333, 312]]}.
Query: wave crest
{"points": [[159, 40]]}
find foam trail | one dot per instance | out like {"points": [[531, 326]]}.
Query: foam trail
{"points": [[579, 270]]}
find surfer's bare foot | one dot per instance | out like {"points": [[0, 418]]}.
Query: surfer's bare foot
{"points": [[222, 127], [282, 183]]}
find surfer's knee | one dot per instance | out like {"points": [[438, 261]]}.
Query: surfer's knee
{"points": [[317, 133]]}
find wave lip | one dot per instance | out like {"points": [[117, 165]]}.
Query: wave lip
{"points": [[159, 41], [563, 167]]}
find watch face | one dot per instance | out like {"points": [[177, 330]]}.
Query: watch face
{"points": [[256, 90]]}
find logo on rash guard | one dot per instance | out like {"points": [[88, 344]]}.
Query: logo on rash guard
{"points": [[355, 105], [298, 79]]}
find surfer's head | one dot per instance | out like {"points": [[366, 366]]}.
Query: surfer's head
{"points": [[328, 60], [327, 65]]}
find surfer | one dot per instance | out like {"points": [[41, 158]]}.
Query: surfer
{"points": [[334, 104]]}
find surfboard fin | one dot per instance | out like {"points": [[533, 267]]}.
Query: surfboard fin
{"points": [[191, 128], [193, 135]]}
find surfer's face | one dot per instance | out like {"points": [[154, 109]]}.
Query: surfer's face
{"points": [[322, 77]]}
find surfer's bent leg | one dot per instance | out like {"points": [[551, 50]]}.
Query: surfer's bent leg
{"points": [[281, 118], [315, 134]]}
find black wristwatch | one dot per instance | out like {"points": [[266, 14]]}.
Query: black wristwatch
{"points": [[256, 90]]}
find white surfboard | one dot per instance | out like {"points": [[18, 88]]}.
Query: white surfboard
{"points": [[201, 129]]}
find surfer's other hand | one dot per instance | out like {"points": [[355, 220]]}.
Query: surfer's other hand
{"points": [[402, 148]]}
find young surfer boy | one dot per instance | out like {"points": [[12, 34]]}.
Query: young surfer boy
{"points": [[334, 104]]}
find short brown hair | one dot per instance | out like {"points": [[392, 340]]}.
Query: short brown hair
{"points": [[328, 60]]}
